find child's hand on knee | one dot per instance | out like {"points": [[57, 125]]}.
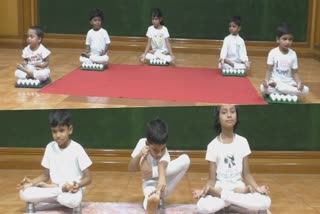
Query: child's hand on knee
{"points": [[300, 86], [75, 187], [263, 189], [142, 58], [66, 187], [196, 194], [25, 183]]}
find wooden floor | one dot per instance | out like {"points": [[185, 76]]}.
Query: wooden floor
{"points": [[291, 194], [63, 61]]}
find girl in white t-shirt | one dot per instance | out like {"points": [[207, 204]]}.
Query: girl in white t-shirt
{"points": [[230, 181], [97, 40], [158, 46], [282, 72], [233, 52], [35, 57]]}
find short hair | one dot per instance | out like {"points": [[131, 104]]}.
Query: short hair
{"points": [[217, 125], [96, 12], [156, 12], [60, 117], [38, 31], [157, 131], [236, 20], [284, 28]]}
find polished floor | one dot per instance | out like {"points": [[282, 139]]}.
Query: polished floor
{"points": [[290, 193], [63, 61]]}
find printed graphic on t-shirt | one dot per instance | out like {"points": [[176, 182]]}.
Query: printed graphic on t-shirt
{"points": [[229, 160], [35, 59], [158, 41], [282, 67]]}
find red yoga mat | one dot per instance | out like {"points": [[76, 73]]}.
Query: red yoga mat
{"points": [[157, 83]]}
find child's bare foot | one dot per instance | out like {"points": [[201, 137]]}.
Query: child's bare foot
{"points": [[153, 202], [20, 66], [45, 185], [146, 170], [273, 84], [246, 189]]}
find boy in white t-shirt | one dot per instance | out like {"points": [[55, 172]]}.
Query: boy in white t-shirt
{"points": [[65, 163], [158, 46], [97, 40], [160, 175], [35, 57], [282, 72]]}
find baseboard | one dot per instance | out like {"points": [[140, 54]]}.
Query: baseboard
{"points": [[293, 162], [192, 46]]}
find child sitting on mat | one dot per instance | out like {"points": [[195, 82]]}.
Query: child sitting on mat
{"points": [[158, 46], [97, 40], [230, 180], [35, 57], [160, 175], [282, 67], [65, 162], [233, 52]]}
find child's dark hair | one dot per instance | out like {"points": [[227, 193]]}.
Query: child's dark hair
{"points": [[38, 31], [156, 12], [60, 118], [96, 12], [217, 125], [284, 28], [236, 20], [157, 131]]}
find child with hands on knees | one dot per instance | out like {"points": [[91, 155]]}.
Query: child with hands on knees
{"points": [[160, 175], [97, 40], [230, 181], [282, 67], [65, 163], [233, 52], [158, 46], [35, 57]]}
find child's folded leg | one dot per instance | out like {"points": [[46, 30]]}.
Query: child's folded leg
{"points": [[70, 200], [84, 60], [38, 194], [41, 74], [99, 59], [210, 204]]}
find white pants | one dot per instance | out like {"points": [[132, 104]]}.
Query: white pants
{"points": [[41, 74], [284, 88], [176, 169], [159, 55], [250, 201], [95, 59], [52, 195], [237, 65]]}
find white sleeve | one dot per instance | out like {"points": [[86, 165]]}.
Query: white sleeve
{"points": [[166, 33], [211, 154], [270, 60], [107, 38], [149, 33], [139, 146], [88, 40], [243, 52], [45, 52], [295, 61], [45, 160], [224, 49], [24, 53], [83, 159], [245, 148]]}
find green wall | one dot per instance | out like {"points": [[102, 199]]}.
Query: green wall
{"points": [[204, 19], [267, 127]]}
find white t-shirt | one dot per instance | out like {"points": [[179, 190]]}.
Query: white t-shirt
{"points": [[153, 162], [37, 56], [282, 64], [158, 38], [228, 158], [65, 165], [97, 40], [234, 49]]}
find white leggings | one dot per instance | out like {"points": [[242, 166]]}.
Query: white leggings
{"points": [[159, 55], [175, 171], [283, 88], [250, 201], [41, 74], [95, 59], [52, 195]]}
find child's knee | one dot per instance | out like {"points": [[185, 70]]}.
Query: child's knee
{"points": [[69, 200], [27, 194], [185, 160]]}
